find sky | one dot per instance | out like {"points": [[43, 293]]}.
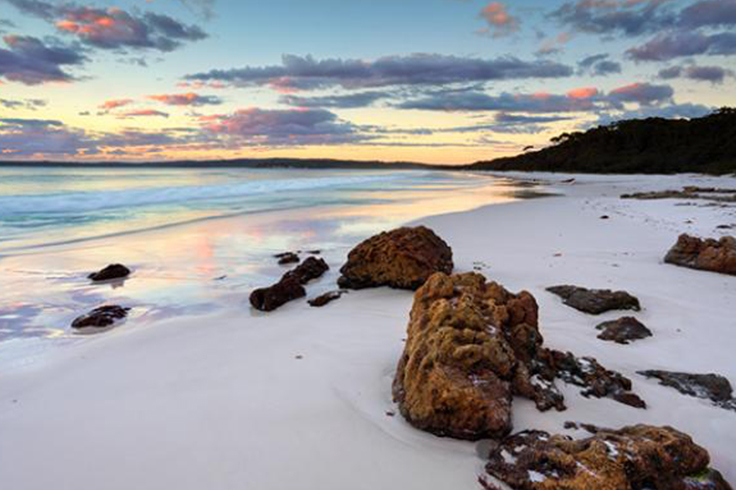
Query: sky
{"points": [[437, 81]]}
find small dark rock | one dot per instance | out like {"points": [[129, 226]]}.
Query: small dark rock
{"points": [[605, 216], [623, 330], [598, 381], [113, 271], [287, 258], [102, 317], [270, 298], [314, 252], [713, 387], [581, 426], [595, 301], [311, 268], [323, 299], [724, 227]]}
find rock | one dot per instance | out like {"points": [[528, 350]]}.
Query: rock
{"points": [[709, 254], [688, 192], [623, 330], [290, 287], [113, 271], [403, 258], [605, 216], [270, 298], [668, 194], [287, 258], [595, 301], [713, 387], [454, 377], [633, 458], [471, 346], [587, 373], [708, 190], [311, 268], [101, 318], [323, 299]]}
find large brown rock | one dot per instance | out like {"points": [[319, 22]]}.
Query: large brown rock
{"points": [[403, 258], [454, 377], [704, 254], [633, 458], [472, 345]]}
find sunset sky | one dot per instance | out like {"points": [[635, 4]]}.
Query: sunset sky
{"points": [[440, 81]]}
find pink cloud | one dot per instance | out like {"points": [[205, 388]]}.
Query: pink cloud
{"points": [[583, 93], [187, 99], [114, 104], [499, 19]]}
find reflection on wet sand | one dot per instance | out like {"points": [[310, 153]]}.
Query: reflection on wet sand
{"points": [[205, 265]]}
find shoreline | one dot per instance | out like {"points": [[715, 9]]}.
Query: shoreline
{"points": [[221, 401]]}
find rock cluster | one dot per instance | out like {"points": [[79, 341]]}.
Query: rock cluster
{"points": [[290, 287], [403, 258], [595, 301], [623, 330], [100, 318], [471, 346], [112, 271], [713, 387], [632, 458], [709, 254]]}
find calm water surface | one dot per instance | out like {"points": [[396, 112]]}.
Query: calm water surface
{"points": [[197, 239]]}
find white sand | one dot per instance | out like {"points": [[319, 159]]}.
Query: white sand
{"points": [[222, 402]]}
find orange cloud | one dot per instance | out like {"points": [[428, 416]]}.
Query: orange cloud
{"points": [[583, 93], [499, 19], [114, 104]]}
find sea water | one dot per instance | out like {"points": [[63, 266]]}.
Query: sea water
{"points": [[197, 240]]}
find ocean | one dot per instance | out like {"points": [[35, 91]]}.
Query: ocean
{"points": [[197, 239]]}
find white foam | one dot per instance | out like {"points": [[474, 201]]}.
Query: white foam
{"points": [[78, 202]]}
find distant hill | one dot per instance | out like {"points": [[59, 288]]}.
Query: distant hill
{"points": [[646, 146], [298, 163]]}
